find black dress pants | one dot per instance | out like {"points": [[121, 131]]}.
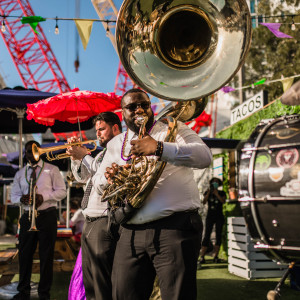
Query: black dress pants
{"points": [[98, 245], [46, 223], [212, 219], [168, 247]]}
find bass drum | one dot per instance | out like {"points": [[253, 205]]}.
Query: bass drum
{"points": [[269, 186]]}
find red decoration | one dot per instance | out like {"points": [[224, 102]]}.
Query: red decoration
{"points": [[74, 106], [204, 120]]}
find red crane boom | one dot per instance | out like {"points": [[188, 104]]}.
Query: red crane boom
{"points": [[31, 52]]}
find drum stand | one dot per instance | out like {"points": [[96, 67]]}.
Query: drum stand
{"points": [[275, 294]]}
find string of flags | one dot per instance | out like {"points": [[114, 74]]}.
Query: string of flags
{"points": [[286, 84], [84, 26]]}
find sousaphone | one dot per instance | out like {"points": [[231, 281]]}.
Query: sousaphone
{"points": [[183, 50]]}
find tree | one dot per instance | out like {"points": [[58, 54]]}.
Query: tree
{"points": [[271, 57]]}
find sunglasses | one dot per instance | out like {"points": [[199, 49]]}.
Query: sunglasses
{"points": [[133, 106]]}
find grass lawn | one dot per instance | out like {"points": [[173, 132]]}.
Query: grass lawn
{"points": [[215, 283], [213, 280]]}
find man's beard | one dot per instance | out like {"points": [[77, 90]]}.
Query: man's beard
{"points": [[132, 125]]}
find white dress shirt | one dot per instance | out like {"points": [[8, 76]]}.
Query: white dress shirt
{"points": [[176, 189], [83, 171], [50, 184], [77, 221]]}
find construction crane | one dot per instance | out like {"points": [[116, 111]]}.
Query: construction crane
{"points": [[107, 10], [30, 52]]}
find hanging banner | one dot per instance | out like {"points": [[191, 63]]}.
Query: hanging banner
{"points": [[248, 107]]}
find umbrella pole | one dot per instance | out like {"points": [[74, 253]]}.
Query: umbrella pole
{"points": [[79, 129], [78, 121]]}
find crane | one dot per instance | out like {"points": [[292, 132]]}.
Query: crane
{"points": [[107, 10], [31, 53]]}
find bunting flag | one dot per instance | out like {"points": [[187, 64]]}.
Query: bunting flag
{"points": [[259, 82], [84, 28], [274, 28], [33, 21], [287, 83], [227, 89]]}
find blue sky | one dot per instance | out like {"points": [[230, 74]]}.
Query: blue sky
{"points": [[98, 63]]}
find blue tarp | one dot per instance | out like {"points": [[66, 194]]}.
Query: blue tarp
{"points": [[8, 170]]}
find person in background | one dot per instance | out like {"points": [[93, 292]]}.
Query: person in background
{"points": [[46, 182], [162, 237], [215, 199], [99, 239], [76, 221]]}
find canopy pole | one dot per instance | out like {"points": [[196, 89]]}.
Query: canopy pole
{"points": [[20, 115]]}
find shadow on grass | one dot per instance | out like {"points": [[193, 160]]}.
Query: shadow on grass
{"points": [[60, 285]]}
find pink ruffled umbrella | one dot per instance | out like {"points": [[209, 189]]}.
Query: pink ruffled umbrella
{"points": [[74, 106]]}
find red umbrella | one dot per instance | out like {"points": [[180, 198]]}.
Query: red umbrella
{"points": [[74, 106]]}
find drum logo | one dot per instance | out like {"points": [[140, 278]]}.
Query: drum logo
{"points": [[287, 158], [291, 188], [262, 162], [276, 174]]}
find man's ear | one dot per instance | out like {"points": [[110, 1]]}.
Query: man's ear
{"points": [[115, 129]]}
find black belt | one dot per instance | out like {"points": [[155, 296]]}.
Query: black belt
{"points": [[92, 219], [176, 220]]}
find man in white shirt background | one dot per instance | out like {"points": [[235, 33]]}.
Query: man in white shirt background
{"points": [[163, 237], [46, 181]]}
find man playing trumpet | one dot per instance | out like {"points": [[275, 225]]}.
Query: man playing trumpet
{"points": [[44, 182], [98, 240]]}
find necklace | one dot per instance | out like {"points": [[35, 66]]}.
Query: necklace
{"points": [[33, 171], [128, 157]]}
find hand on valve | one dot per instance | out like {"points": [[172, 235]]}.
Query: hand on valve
{"points": [[77, 152]]}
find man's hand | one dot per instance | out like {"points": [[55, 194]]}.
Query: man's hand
{"points": [[111, 172], [25, 199], [38, 200], [143, 147], [76, 152]]}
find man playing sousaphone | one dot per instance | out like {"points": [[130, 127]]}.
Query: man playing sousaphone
{"points": [[42, 181], [163, 236]]}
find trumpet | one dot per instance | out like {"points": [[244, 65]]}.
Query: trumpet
{"points": [[38, 151], [34, 211]]}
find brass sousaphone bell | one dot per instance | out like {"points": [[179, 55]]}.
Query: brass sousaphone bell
{"points": [[183, 50], [180, 51]]}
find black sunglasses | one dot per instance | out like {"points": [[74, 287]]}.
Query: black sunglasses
{"points": [[133, 106]]}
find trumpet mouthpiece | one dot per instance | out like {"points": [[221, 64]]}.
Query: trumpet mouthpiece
{"points": [[141, 119]]}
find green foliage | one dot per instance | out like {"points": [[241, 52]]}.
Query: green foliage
{"points": [[242, 129]]}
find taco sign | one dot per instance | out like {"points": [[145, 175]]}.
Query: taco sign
{"points": [[248, 107]]}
